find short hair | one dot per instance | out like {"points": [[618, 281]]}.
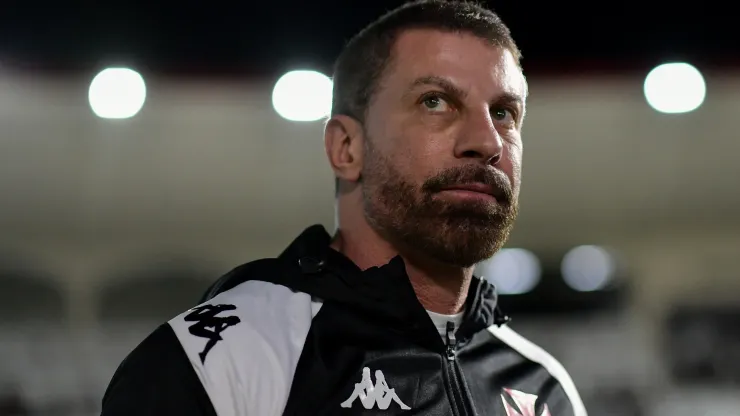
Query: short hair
{"points": [[361, 64]]}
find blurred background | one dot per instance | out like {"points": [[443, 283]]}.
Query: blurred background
{"points": [[146, 150]]}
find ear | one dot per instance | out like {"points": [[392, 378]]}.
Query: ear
{"points": [[344, 143]]}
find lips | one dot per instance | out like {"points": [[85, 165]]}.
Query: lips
{"points": [[473, 187]]}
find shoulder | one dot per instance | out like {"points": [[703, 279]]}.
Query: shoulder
{"points": [[156, 378], [265, 270], [537, 354], [245, 343]]}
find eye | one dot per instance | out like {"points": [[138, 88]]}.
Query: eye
{"points": [[503, 115], [435, 104]]}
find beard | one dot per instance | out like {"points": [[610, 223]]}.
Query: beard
{"points": [[457, 233]]}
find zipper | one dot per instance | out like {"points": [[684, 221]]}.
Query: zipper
{"points": [[451, 343], [459, 405]]}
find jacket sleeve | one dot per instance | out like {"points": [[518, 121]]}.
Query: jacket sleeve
{"points": [[157, 379]]}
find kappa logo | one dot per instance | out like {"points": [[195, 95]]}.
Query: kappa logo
{"points": [[370, 395], [524, 404], [210, 326]]}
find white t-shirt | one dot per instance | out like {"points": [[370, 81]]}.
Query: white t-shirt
{"points": [[440, 321]]}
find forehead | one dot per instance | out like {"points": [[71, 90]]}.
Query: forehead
{"points": [[465, 59]]}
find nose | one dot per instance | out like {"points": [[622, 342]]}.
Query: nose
{"points": [[480, 140]]}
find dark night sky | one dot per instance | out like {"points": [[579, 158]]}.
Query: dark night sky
{"points": [[252, 39]]}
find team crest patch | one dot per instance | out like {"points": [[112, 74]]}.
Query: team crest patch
{"points": [[523, 404]]}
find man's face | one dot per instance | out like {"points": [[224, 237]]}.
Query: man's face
{"points": [[442, 161]]}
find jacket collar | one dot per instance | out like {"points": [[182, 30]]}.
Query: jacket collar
{"points": [[386, 290]]}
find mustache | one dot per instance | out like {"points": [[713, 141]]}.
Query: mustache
{"points": [[471, 174]]}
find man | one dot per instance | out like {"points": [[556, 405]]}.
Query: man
{"points": [[425, 143]]}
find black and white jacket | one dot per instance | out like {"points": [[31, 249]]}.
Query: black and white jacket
{"points": [[309, 333]]}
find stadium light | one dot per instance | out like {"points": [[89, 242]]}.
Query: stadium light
{"points": [[675, 88], [117, 93], [513, 271], [588, 268], [302, 96]]}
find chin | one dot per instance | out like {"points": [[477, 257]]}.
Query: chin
{"points": [[461, 246]]}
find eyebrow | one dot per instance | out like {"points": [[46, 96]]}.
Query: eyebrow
{"points": [[510, 98], [440, 82], [450, 88]]}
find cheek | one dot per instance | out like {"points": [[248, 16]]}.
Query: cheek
{"points": [[416, 167], [512, 165], [430, 161], [419, 155], [395, 164]]}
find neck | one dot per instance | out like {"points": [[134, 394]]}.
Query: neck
{"points": [[440, 288]]}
